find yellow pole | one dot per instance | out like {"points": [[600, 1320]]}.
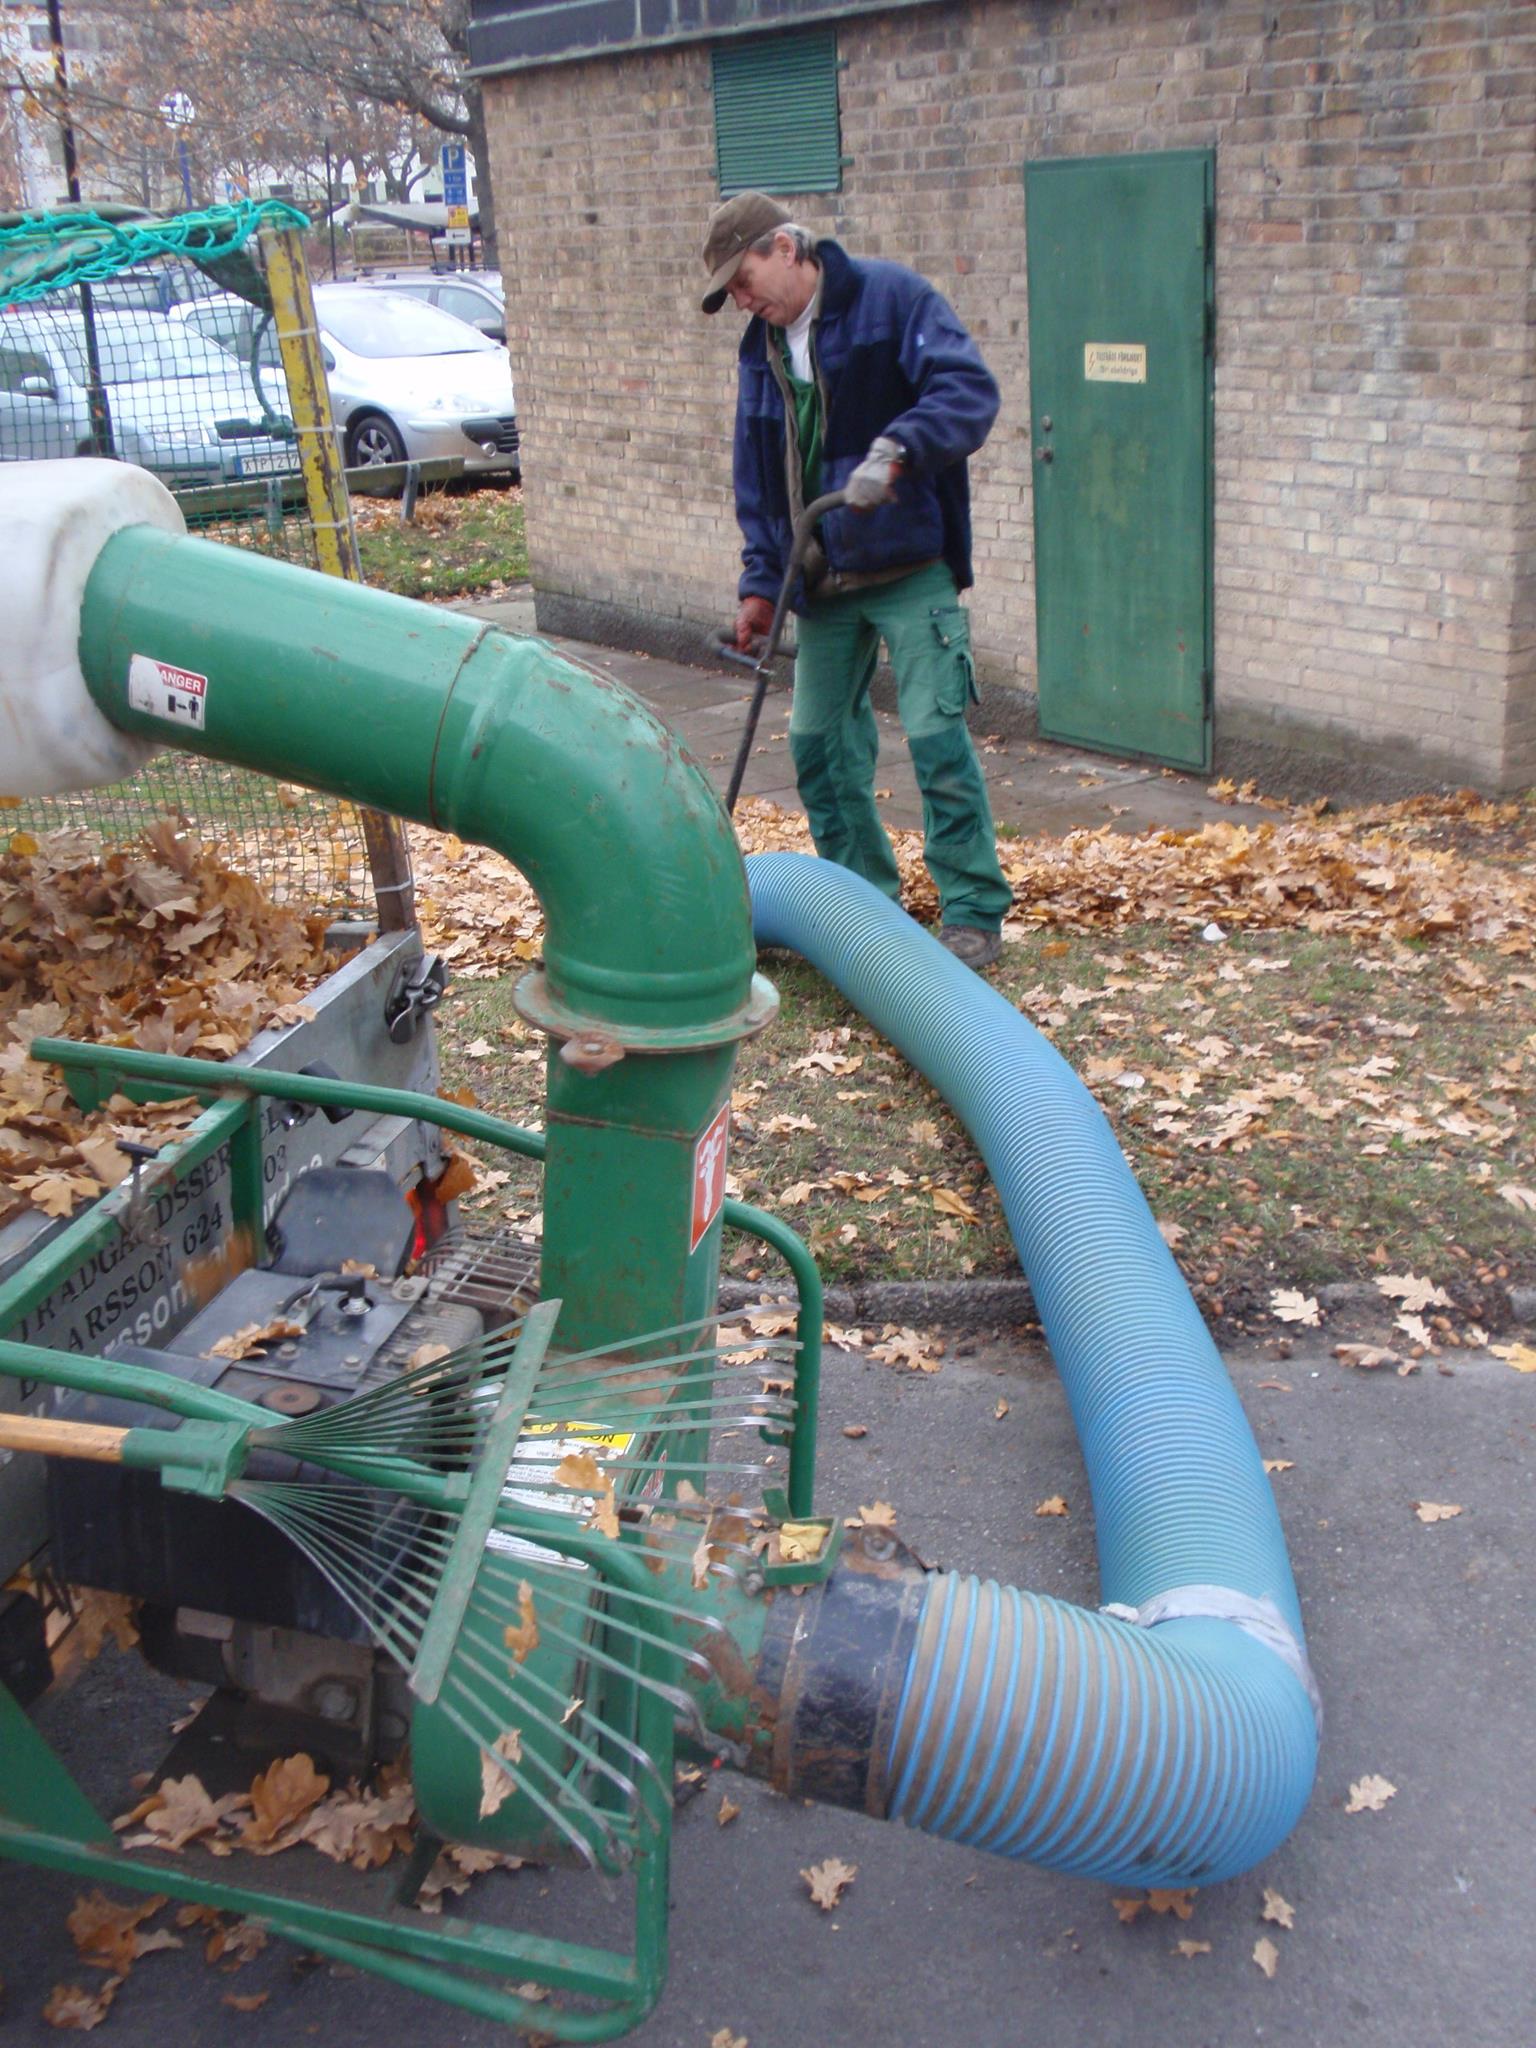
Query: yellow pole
{"points": [[330, 512]]}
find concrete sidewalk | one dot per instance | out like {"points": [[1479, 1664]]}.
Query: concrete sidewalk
{"points": [[1036, 787]]}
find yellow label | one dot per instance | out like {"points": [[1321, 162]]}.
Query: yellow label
{"points": [[585, 1432], [1114, 362]]}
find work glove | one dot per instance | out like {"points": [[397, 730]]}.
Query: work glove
{"points": [[754, 621], [873, 482]]}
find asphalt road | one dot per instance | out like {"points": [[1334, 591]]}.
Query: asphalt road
{"points": [[1413, 1926]]}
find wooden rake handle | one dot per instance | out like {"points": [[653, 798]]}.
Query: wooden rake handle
{"points": [[62, 1439]]}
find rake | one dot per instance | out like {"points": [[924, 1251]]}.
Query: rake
{"points": [[522, 1531]]}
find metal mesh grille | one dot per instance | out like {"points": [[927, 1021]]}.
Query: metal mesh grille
{"points": [[115, 341]]}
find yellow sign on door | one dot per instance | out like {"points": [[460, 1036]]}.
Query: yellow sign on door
{"points": [[1115, 362]]}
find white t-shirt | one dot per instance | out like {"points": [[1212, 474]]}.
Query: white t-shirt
{"points": [[798, 335]]}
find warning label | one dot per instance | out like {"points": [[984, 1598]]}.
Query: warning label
{"points": [[709, 1176], [165, 691]]}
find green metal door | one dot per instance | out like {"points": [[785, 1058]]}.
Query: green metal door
{"points": [[1120, 320]]}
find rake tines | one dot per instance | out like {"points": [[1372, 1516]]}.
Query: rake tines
{"points": [[549, 1459]]}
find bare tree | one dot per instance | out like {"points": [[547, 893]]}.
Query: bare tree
{"points": [[272, 80]]}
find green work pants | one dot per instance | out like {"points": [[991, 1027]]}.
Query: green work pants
{"points": [[834, 739]]}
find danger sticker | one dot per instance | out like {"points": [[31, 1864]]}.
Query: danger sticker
{"points": [[162, 690], [709, 1176]]}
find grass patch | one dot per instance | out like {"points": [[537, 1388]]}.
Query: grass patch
{"points": [[461, 543], [1297, 1108]]}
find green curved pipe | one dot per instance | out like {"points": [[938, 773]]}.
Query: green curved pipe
{"points": [[441, 718]]}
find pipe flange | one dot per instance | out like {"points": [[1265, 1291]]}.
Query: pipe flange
{"points": [[536, 1005]]}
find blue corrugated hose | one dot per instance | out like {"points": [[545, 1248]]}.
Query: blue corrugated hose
{"points": [[1171, 1740]]}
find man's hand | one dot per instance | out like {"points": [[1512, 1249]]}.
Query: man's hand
{"points": [[754, 621], [873, 482]]}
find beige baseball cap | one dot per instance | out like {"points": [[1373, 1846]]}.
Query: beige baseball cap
{"points": [[733, 227]]}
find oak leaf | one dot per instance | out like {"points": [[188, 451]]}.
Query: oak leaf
{"points": [[1054, 1505], [281, 1796], [1370, 1794], [1266, 1955], [1435, 1510], [829, 1880], [1291, 1305], [1280, 1910]]}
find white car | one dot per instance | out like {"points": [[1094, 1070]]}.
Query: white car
{"points": [[407, 382], [172, 402]]}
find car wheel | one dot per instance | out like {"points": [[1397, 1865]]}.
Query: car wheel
{"points": [[372, 441]]}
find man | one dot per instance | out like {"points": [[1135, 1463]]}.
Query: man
{"points": [[858, 376]]}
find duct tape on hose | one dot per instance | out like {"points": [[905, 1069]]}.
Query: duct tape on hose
{"points": [[55, 518], [1257, 1617]]}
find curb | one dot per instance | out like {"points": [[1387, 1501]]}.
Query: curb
{"points": [[1007, 1303]]}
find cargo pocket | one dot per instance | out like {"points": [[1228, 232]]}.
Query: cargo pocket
{"points": [[957, 674]]}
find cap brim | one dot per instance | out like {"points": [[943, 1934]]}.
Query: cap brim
{"points": [[720, 283]]}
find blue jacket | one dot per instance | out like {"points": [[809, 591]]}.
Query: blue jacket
{"points": [[893, 359]]}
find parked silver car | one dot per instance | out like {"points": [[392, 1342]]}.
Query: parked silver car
{"points": [[472, 295], [407, 382], [173, 403]]}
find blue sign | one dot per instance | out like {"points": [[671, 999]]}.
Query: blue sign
{"points": [[455, 174]]}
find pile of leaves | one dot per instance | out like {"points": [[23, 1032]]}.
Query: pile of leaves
{"points": [[154, 944], [289, 1805], [1429, 868]]}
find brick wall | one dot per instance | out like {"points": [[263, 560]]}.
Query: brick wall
{"points": [[1375, 564]]}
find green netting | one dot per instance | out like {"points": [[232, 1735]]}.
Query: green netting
{"points": [[150, 339], [44, 252]]}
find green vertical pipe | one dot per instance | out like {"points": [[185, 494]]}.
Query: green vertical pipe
{"points": [[440, 718]]}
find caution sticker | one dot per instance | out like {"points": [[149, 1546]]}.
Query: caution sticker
{"points": [[160, 689]]}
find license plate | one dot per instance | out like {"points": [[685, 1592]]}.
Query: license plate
{"points": [[276, 462]]}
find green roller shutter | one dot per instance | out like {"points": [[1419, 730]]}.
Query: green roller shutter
{"points": [[776, 125]]}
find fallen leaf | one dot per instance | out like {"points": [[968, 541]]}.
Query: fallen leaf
{"points": [[1127, 1910], [99, 1615], [722, 2037], [1518, 1198], [1412, 1292], [426, 1354], [727, 1812], [248, 2001], [801, 1542], [522, 1635], [1290, 1305], [497, 1784], [252, 1340], [855, 1429], [178, 1812], [1188, 1948], [1370, 1794], [1055, 1505], [878, 1515], [1521, 1357], [950, 1204], [1435, 1510], [1181, 1904], [1279, 1464], [1366, 1357], [1000, 1410], [1280, 1910], [829, 1880], [79, 2011], [281, 1795], [1266, 1955], [109, 1935]]}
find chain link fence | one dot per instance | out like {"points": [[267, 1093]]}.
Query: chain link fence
{"points": [[156, 341]]}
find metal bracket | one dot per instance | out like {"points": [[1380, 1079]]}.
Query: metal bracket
{"points": [[419, 990]]}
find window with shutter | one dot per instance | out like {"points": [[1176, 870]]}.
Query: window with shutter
{"points": [[776, 118]]}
